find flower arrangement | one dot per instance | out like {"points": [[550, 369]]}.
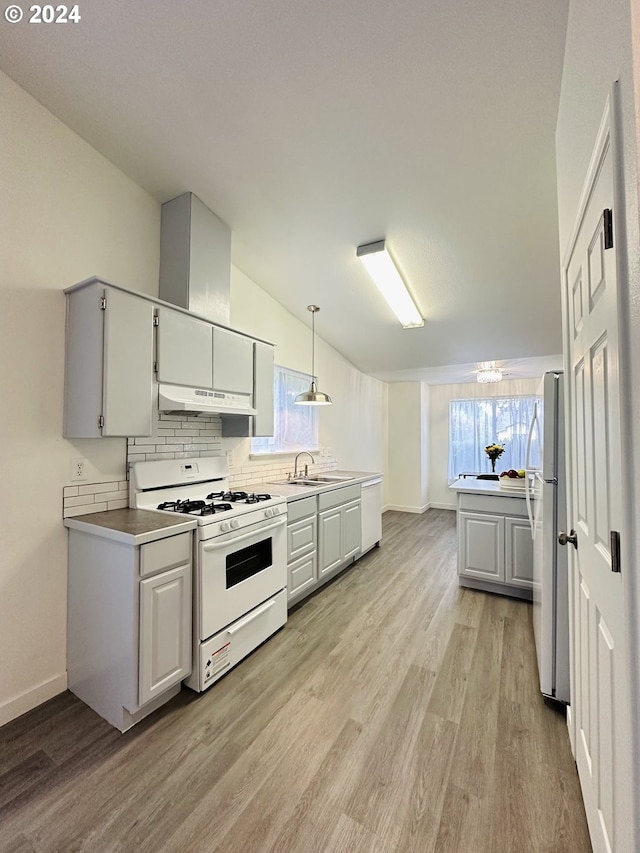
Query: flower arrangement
{"points": [[494, 451]]}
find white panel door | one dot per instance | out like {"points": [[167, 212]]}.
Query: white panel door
{"points": [[481, 546], [518, 554], [165, 631], [351, 529], [329, 540], [128, 365], [600, 700]]}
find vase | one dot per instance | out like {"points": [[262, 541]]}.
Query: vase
{"points": [[493, 466]]}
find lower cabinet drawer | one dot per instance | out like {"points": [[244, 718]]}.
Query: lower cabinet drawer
{"points": [[165, 553], [301, 574], [301, 537]]}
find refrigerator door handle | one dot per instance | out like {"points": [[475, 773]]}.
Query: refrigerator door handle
{"points": [[527, 492], [534, 420]]}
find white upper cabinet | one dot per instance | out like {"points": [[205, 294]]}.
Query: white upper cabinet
{"points": [[232, 362], [184, 347], [108, 363], [263, 375]]}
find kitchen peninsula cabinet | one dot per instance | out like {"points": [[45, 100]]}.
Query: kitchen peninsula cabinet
{"points": [[108, 363], [495, 549], [129, 611]]}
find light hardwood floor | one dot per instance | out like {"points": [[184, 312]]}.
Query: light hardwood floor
{"points": [[394, 712]]}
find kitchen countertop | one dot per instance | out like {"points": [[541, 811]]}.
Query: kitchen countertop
{"points": [[484, 487], [130, 526], [291, 492]]}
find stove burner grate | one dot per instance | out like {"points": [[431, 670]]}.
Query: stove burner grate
{"points": [[239, 497], [191, 507]]}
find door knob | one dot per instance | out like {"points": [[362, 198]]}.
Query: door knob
{"points": [[571, 537]]}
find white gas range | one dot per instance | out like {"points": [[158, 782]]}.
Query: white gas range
{"points": [[240, 557]]}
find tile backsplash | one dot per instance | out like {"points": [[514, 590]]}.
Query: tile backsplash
{"points": [[179, 436]]}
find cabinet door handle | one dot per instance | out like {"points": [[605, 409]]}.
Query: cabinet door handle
{"points": [[571, 537]]}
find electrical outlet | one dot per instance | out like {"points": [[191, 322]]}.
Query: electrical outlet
{"points": [[78, 469]]}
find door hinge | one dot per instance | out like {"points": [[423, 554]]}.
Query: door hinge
{"points": [[101, 421], [615, 551], [607, 216], [156, 320], [155, 366], [103, 303]]}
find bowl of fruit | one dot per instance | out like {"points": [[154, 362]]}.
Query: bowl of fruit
{"points": [[513, 480]]}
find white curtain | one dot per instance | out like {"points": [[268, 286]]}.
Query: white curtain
{"points": [[295, 427], [473, 424]]}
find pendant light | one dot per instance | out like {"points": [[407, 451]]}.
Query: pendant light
{"points": [[313, 397]]}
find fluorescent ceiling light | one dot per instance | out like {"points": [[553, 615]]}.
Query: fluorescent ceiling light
{"points": [[380, 266], [492, 374]]}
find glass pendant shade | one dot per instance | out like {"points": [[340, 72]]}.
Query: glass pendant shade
{"points": [[313, 397]]}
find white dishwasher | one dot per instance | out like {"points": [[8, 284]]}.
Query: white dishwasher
{"points": [[371, 513]]}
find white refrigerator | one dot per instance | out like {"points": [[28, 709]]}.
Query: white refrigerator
{"points": [[546, 503]]}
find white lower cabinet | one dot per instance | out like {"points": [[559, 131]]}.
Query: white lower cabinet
{"points": [[481, 546], [129, 620], [339, 527], [302, 547], [165, 631], [495, 549], [324, 535]]}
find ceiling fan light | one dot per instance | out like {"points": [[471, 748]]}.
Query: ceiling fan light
{"points": [[492, 374], [386, 276]]}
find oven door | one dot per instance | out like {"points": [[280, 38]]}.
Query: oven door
{"points": [[237, 571]]}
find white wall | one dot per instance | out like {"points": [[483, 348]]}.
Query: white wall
{"points": [[599, 51], [68, 214], [408, 478], [439, 398], [354, 428]]}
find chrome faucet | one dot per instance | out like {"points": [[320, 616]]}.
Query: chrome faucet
{"points": [[306, 467]]}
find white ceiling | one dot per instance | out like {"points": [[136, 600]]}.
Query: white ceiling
{"points": [[311, 128]]}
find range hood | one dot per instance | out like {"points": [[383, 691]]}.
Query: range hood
{"points": [[178, 398], [195, 259]]}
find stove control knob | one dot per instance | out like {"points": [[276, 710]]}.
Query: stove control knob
{"points": [[225, 526], [235, 523], [268, 512], [275, 510]]}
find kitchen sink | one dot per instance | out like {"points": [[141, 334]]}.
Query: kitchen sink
{"points": [[314, 480], [325, 478]]}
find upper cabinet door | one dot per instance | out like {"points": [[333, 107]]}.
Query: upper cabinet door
{"points": [[127, 365], [263, 389], [184, 349], [232, 362]]}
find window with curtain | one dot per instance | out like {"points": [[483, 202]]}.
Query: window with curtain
{"points": [[473, 424], [295, 427]]}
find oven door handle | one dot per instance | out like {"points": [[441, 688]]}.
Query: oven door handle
{"points": [[215, 546], [248, 619]]}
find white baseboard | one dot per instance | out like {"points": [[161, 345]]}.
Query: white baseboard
{"points": [[414, 509], [443, 506], [32, 698]]}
